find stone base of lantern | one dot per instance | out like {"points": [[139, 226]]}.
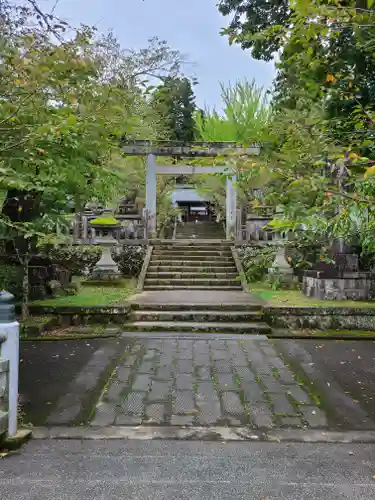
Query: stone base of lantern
{"points": [[281, 271]]}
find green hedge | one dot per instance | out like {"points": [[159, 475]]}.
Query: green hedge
{"points": [[76, 258], [129, 259]]}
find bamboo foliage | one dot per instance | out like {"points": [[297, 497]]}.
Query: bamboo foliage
{"points": [[244, 118]]}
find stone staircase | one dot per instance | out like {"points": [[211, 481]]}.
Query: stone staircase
{"points": [[192, 265], [201, 230], [197, 318]]}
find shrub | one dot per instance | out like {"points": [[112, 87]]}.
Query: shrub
{"points": [[129, 259], [77, 259], [256, 261], [105, 221], [11, 279]]}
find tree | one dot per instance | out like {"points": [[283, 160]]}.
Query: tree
{"points": [[174, 101], [251, 18], [64, 110], [319, 155], [312, 40]]}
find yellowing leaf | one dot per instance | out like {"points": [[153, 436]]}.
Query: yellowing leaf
{"points": [[369, 172]]}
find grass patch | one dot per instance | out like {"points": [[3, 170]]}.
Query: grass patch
{"points": [[93, 296], [295, 298]]}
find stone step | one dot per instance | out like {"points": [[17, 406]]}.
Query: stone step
{"points": [[192, 263], [197, 316], [214, 269], [192, 242], [203, 236], [182, 274], [218, 237], [182, 259], [182, 326], [196, 306], [192, 287], [192, 281], [193, 251], [207, 234], [193, 245]]}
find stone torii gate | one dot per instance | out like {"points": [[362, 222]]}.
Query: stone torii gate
{"points": [[188, 150]]}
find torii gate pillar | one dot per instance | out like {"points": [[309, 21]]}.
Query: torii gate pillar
{"points": [[151, 193], [231, 208]]}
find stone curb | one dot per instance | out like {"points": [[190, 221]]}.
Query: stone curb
{"points": [[204, 434], [318, 310], [240, 270], [280, 334], [55, 338], [146, 263]]}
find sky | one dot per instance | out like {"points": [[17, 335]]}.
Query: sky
{"points": [[190, 26]]}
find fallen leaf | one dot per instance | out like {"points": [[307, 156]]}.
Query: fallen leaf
{"points": [[4, 454]]}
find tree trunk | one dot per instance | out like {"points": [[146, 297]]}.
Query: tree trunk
{"points": [[25, 289]]}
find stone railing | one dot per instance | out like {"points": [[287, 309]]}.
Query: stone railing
{"points": [[84, 232], [254, 229]]}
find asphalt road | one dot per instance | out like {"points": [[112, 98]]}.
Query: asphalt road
{"points": [[143, 470]]}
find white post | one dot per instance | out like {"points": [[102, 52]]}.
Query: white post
{"points": [[151, 193], [9, 329], [231, 206]]}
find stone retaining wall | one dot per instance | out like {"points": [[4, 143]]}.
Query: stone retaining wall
{"points": [[327, 318], [68, 316]]}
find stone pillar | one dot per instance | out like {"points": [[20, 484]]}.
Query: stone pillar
{"points": [[76, 227], [9, 331], [85, 229], [231, 207], [151, 193]]}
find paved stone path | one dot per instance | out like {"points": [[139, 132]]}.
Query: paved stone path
{"points": [[205, 382]]}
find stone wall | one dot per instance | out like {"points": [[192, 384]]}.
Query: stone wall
{"points": [[321, 318], [77, 315], [4, 366]]}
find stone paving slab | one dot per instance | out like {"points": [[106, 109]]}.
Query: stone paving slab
{"points": [[206, 382]]}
